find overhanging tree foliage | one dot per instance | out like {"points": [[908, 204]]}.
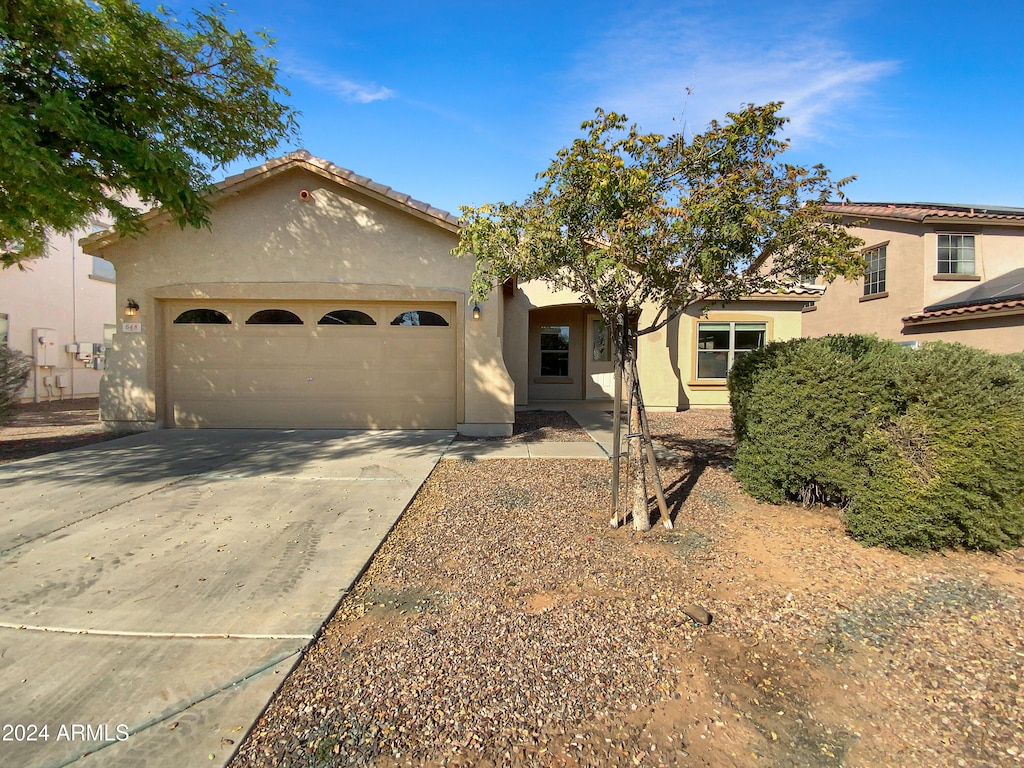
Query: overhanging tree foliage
{"points": [[632, 221], [100, 99]]}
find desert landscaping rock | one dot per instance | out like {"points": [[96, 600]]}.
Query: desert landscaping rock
{"points": [[503, 623], [57, 425], [698, 613]]}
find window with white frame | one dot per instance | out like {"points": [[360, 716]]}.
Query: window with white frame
{"points": [[874, 276], [4, 328], [956, 254], [719, 344]]}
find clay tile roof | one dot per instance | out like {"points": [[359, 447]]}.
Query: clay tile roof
{"points": [[793, 290], [928, 212], [342, 175], [1000, 307], [1002, 295]]}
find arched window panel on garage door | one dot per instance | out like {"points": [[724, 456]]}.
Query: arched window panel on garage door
{"points": [[202, 317], [274, 317], [419, 317], [346, 317]]}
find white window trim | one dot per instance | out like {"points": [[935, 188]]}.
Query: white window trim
{"points": [[974, 250], [880, 285], [566, 352]]}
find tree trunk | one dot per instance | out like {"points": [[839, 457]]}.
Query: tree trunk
{"points": [[638, 479], [616, 423], [659, 491]]}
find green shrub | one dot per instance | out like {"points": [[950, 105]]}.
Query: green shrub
{"points": [[15, 368], [745, 371], [949, 471], [922, 448], [803, 419]]}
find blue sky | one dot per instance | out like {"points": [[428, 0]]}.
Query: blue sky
{"points": [[464, 103]]}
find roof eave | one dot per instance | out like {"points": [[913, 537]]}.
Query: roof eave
{"points": [[932, 318], [238, 183]]}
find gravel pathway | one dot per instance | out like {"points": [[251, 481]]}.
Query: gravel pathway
{"points": [[503, 623]]}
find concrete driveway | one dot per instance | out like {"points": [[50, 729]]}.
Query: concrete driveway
{"points": [[155, 590]]}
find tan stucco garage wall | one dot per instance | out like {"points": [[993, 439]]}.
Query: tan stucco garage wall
{"points": [[295, 235]]}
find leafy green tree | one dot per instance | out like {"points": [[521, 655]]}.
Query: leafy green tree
{"points": [[627, 219], [100, 100]]}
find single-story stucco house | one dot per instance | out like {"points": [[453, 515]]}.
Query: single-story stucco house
{"points": [[318, 298]]}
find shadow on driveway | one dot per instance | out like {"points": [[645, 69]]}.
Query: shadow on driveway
{"points": [[173, 578]]}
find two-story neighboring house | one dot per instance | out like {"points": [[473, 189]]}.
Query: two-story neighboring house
{"points": [[60, 311], [934, 272]]}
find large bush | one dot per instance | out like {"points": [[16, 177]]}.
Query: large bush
{"points": [[922, 448], [15, 368]]}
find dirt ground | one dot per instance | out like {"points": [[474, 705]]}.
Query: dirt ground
{"points": [[39, 428], [504, 623]]}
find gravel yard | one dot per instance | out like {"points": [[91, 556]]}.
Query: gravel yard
{"points": [[39, 428], [504, 623], [546, 426]]}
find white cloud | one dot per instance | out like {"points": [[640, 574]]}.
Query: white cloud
{"points": [[693, 68], [337, 85]]}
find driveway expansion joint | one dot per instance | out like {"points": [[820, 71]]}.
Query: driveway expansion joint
{"points": [[120, 637], [155, 635], [163, 718]]}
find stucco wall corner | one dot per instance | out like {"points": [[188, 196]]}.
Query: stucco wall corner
{"points": [[126, 400], [490, 391]]}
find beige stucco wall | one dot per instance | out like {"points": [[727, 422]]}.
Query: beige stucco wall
{"points": [[1002, 334], [666, 358], [58, 292], [842, 310], [912, 283], [997, 250], [265, 241]]}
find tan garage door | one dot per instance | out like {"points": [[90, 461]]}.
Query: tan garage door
{"points": [[311, 365]]}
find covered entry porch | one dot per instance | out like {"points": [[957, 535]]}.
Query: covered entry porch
{"points": [[569, 356]]}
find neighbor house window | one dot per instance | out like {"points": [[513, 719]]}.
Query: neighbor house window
{"points": [[956, 255], [602, 348], [719, 344], [874, 276], [102, 269], [4, 329], [554, 350]]}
